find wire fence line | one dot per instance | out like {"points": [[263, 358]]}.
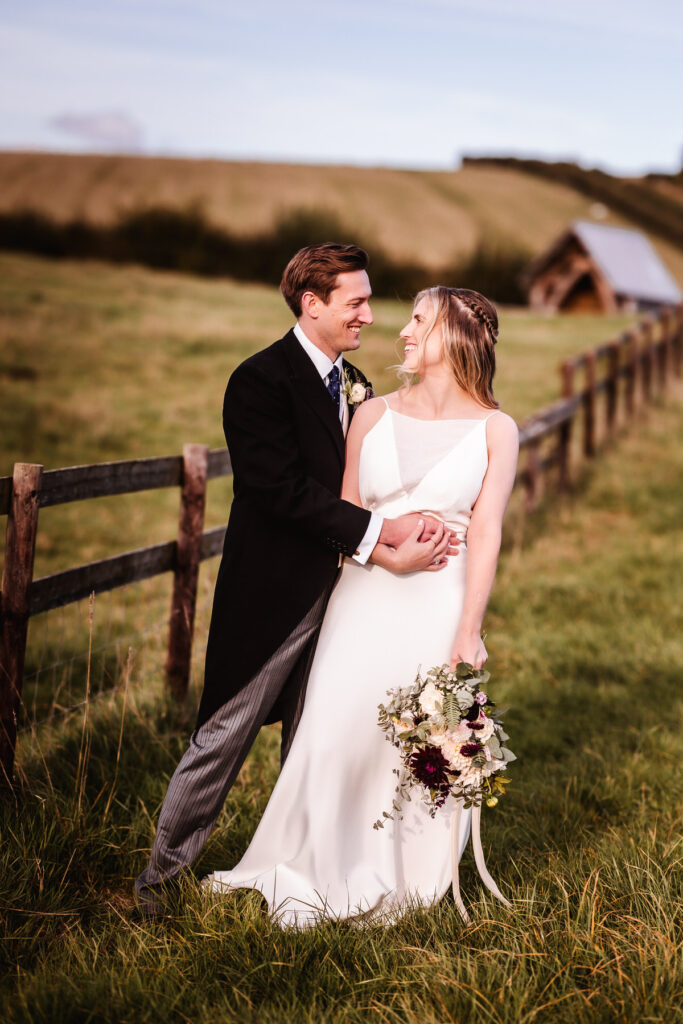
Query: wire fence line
{"points": [[602, 390]]}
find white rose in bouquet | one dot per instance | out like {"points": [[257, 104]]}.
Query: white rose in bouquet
{"points": [[430, 696]]}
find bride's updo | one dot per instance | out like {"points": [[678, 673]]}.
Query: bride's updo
{"points": [[469, 330]]}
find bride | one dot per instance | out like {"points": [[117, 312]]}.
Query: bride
{"points": [[438, 445]]}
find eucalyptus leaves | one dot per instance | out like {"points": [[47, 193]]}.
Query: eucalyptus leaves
{"points": [[451, 740]]}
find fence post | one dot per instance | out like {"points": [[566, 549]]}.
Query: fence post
{"points": [[677, 340], [184, 600], [647, 360], [612, 386], [631, 340], [589, 445], [564, 434], [664, 350], [22, 526], [567, 378]]}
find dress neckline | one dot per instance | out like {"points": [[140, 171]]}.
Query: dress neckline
{"points": [[457, 419]]}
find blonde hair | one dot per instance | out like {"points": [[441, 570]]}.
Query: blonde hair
{"points": [[469, 331]]}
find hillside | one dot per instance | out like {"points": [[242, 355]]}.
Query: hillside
{"points": [[433, 218], [641, 200]]}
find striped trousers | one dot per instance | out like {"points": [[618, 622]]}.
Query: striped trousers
{"points": [[208, 768]]}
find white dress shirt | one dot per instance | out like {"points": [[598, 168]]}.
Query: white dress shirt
{"points": [[323, 365]]}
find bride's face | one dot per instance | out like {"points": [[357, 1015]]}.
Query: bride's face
{"points": [[421, 350]]}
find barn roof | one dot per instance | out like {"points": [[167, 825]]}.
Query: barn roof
{"points": [[626, 258]]}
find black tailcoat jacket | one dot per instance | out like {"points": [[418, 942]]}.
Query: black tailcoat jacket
{"points": [[287, 524]]}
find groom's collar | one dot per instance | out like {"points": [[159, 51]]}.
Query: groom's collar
{"points": [[322, 363]]}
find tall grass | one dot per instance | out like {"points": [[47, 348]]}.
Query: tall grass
{"points": [[582, 635]]}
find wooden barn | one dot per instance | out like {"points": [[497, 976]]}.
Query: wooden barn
{"points": [[594, 268]]}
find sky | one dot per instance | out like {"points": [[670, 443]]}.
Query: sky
{"points": [[369, 82]]}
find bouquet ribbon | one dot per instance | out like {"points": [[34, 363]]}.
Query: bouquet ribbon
{"points": [[478, 857]]}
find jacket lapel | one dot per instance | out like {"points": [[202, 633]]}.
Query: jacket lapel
{"points": [[310, 386], [356, 377]]}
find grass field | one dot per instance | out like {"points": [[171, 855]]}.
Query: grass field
{"points": [[583, 643], [104, 363], [430, 217]]}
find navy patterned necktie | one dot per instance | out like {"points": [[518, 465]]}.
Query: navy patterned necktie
{"points": [[333, 385]]}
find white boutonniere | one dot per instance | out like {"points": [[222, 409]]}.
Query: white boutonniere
{"points": [[355, 392]]}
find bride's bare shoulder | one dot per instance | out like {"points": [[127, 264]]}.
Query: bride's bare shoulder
{"points": [[367, 414], [501, 430], [501, 422]]}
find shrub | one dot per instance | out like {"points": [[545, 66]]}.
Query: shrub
{"points": [[183, 240]]}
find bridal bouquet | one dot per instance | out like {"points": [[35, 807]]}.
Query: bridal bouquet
{"points": [[451, 739]]}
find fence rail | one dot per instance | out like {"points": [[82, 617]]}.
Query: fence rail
{"points": [[79, 483], [642, 359]]}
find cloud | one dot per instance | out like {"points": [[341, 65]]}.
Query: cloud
{"points": [[110, 129]]}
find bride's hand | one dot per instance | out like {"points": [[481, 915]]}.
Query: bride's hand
{"points": [[429, 555], [468, 647], [395, 531]]}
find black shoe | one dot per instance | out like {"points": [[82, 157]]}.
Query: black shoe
{"points": [[153, 902], [145, 912]]}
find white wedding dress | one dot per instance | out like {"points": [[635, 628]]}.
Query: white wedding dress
{"points": [[315, 852]]}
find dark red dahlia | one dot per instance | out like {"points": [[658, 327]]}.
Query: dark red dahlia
{"points": [[429, 766], [478, 724], [469, 749]]}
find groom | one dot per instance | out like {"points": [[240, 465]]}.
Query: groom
{"points": [[285, 415]]}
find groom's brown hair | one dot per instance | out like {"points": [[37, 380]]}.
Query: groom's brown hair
{"points": [[315, 269]]}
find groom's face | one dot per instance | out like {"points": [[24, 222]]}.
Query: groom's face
{"points": [[339, 321]]}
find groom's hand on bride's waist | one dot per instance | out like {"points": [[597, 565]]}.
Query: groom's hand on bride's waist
{"points": [[415, 554], [395, 531], [427, 529]]}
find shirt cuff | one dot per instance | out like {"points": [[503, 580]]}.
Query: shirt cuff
{"points": [[370, 538]]}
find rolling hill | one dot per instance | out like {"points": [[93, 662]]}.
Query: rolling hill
{"points": [[428, 217]]}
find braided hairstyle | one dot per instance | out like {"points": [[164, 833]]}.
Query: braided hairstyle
{"points": [[469, 331]]}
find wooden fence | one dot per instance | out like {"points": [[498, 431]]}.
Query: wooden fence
{"points": [[629, 371]]}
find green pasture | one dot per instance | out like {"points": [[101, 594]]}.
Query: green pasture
{"points": [[582, 633]]}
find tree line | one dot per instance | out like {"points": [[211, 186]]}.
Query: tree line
{"points": [[185, 241]]}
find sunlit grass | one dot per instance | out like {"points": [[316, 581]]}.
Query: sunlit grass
{"points": [[582, 632]]}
